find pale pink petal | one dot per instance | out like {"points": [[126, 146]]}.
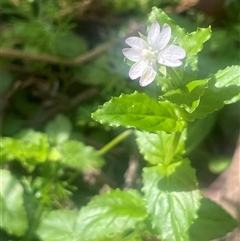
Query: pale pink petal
{"points": [[174, 51], [164, 37], [171, 62], [138, 69], [153, 35], [136, 43], [132, 54], [171, 56], [148, 76]]}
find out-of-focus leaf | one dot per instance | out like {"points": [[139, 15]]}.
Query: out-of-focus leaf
{"points": [[212, 222], [198, 130], [218, 165], [31, 148], [80, 156], [59, 129], [172, 199], [111, 213], [154, 147], [228, 76], [70, 45], [139, 111], [6, 80], [6, 146], [57, 226], [13, 215]]}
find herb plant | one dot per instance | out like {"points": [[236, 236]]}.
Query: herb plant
{"points": [[174, 206]]}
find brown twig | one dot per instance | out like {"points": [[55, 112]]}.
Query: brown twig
{"points": [[184, 5], [78, 7], [50, 59], [80, 60], [61, 107], [131, 172]]}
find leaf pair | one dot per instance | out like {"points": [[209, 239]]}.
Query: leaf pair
{"points": [[32, 148]]}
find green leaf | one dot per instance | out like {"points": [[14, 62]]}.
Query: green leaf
{"points": [[223, 89], [31, 148], [59, 129], [158, 15], [139, 111], [192, 43], [212, 222], [228, 76], [36, 145], [198, 130], [172, 199], [57, 226], [76, 154], [189, 96], [13, 215], [7, 148], [111, 213], [154, 147]]}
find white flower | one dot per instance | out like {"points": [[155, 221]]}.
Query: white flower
{"points": [[147, 53]]}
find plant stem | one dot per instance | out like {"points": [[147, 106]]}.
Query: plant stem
{"points": [[114, 142], [172, 148]]}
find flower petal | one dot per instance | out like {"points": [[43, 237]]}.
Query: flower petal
{"points": [[148, 76], [174, 51], [164, 37], [153, 35], [138, 69], [171, 56], [136, 43], [171, 62], [132, 54]]}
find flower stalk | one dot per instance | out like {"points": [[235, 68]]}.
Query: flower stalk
{"points": [[114, 142]]}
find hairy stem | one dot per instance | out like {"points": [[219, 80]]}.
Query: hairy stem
{"points": [[172, 148]]}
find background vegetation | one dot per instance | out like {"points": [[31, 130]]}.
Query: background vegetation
{"points": [[59, 61]]}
